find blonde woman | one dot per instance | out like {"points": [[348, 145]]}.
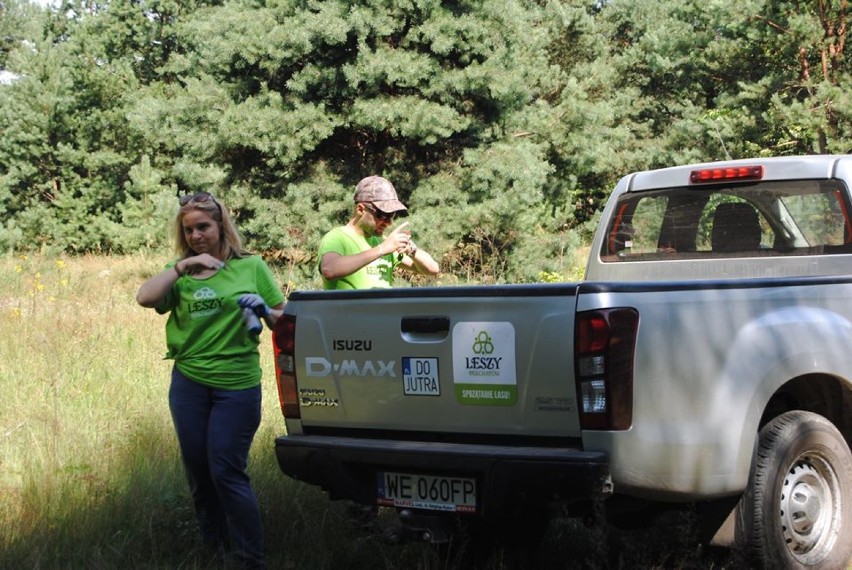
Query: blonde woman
{"points": [[215, 392]]}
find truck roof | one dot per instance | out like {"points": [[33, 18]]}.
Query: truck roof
{"points": [[774, 168]]}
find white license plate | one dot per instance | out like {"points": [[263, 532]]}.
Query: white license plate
{"points": [[452, 494], [420, 376]]}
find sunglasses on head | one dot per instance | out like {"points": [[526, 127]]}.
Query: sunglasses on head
{"points": [[197, 197], [200, 197], [379, 215]]}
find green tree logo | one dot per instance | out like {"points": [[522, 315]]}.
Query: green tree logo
{"points": [[482, 344]]}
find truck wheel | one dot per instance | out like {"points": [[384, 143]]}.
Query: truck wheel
{"points": [[797, 509]]}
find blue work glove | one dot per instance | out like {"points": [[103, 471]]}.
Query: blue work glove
{"points": [[255, 303]]}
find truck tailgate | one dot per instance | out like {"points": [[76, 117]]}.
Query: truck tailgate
{"points": [[439, 360]]}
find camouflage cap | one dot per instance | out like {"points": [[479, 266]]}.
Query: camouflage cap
{"points": [[379, 192]]}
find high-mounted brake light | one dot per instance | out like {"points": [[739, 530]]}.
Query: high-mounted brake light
{"points": [[603, 361], [283, 344], [726, 174]]}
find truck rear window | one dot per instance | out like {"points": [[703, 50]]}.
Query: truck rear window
{"points": [[804, 217]]}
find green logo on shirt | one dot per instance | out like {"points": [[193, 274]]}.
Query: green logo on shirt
{"points": [[206, 303]]}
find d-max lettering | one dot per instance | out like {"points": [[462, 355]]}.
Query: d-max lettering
{"points": [[317, 366]]}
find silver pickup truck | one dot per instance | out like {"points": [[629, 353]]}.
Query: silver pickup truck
{"points": [[704, 360]]}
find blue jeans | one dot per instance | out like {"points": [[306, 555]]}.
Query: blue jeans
{"points": [[215, 429]]}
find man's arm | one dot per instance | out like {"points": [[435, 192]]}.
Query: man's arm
{"points": [[336, 266], [419, 261]]}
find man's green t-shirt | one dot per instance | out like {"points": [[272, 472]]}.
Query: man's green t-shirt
{"points": [[205, 334], [345, 241]]}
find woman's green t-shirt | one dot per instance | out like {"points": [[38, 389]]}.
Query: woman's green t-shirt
{"points": [[205, 334]]}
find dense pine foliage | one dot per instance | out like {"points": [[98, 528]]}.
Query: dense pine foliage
{"points": [[503, 123]]}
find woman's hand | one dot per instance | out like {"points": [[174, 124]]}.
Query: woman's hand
{"points": [[154, 290], [255, 303], [198, 263]]}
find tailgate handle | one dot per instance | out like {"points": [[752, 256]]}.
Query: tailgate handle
{"points": [[426, 325]]}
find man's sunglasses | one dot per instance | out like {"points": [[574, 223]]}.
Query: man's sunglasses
{"points": [[379, 215]]}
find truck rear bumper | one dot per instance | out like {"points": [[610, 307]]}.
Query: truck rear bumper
{"points": [[508, 477]]}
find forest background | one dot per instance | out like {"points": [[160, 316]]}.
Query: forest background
{"points": [[503, 123]]}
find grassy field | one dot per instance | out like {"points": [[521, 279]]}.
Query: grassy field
{"points": [[89, 470]]}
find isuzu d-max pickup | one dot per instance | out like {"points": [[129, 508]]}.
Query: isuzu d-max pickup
{"points": [[705, 359]]}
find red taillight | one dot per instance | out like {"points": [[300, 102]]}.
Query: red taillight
{"points": [[723, 174], [603, 361], [592, 334], [283, 342]]}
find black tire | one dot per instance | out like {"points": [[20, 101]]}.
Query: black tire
{"points": [[797, 510]]}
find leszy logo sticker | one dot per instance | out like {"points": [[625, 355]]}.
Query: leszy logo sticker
{"points": [[205, 303], [484, 363]]}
